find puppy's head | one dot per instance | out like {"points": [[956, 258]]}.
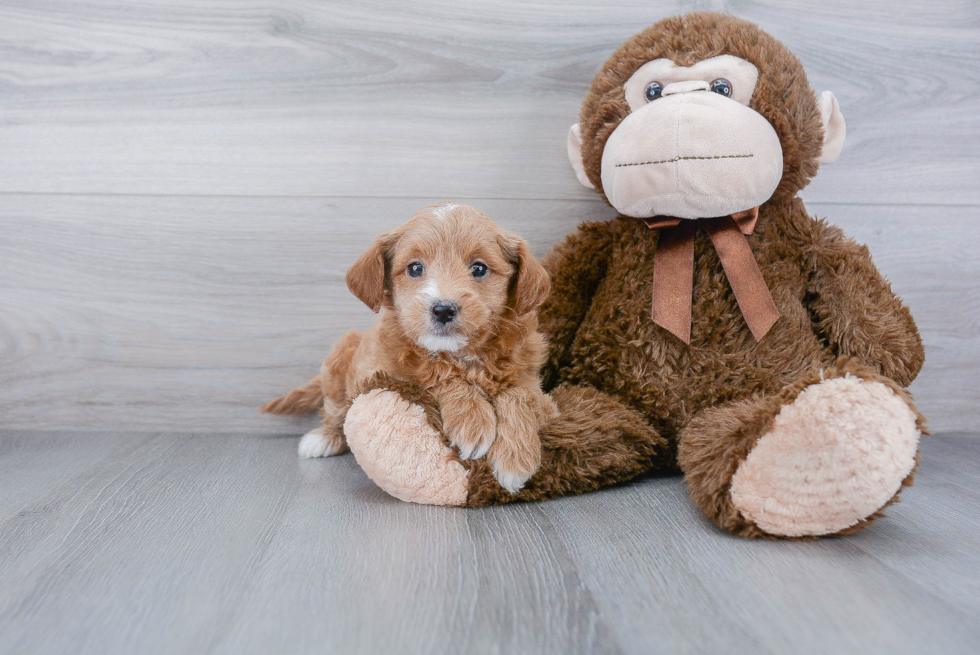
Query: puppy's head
{"points": [[450, 275]]}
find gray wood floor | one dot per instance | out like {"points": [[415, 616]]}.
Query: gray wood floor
{"points": [[207, 543], [183, 184]]}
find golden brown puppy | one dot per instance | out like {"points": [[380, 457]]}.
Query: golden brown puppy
{"points": [[457, 296]]}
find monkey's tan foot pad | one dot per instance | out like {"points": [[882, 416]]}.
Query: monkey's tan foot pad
{"points": [[834, 456], [404, 455]]}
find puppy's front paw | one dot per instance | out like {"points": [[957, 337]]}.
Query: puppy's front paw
{"points": [[514, 461], [321, 443], [512, 481], [471, 427]]}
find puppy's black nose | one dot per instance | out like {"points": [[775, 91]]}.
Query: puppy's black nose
{"points": [[445, 312]]}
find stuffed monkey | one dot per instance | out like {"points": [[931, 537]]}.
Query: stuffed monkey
{"points": [[712, 328]]}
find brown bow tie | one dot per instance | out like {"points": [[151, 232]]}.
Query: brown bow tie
{"points": [[673, 271]]}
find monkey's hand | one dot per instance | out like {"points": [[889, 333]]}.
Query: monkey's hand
{"points": [[856, 310]]}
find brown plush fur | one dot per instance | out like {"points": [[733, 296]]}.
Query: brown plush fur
{"points": [[594, 441], [715, 397], [717, 441], [486, 383], [782, 93], [633, 397], [831, 299]]}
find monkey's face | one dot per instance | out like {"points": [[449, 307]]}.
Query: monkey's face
{"points": [[716, 136], [690, 146]]}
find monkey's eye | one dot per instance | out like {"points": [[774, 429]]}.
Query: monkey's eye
{"points": [[479, 270], [722, 86], [653, 91], [415, 269]]}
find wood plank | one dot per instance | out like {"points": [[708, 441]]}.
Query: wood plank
{"points": [[430, 99], [31, 463], [150, 553], [374, 575], [179, 313], [887, 61], [673, 583], [931, 536], [143, 313], [220, 543], [180, 543]]}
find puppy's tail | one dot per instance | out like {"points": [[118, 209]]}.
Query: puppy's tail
{"points": [[301, 400]]}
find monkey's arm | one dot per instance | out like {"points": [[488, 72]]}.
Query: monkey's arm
{"points": [[855, 309], [577, 265]]}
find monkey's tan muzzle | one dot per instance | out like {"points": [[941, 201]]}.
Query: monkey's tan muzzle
{"points": [[693, 154]]}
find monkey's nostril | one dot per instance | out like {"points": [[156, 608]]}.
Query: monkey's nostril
{"points": [[445, 312]]}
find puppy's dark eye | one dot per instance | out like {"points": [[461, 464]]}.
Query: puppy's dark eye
{"points": [[415, 269], [653, 91], [479, 270], [722, 86]]}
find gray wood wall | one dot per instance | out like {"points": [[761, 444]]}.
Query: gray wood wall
{"points": [[183, 184]]}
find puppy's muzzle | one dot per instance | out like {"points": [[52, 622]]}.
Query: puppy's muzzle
{"points": [[444, 312]]}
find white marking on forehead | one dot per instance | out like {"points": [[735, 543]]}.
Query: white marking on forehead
{"points": [[430, 290], [442, 211]]}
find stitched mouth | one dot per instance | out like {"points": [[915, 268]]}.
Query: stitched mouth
{"points": [[675, 159]]}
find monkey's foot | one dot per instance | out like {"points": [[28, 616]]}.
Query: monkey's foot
{"points": [[404, 455], [834, 456]]}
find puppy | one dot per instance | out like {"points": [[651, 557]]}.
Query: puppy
{"points": [[457, 297]]}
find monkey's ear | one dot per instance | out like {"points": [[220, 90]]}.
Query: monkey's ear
{"points": [[575, 155], [531, 284], [834, 129], [366, 277]]}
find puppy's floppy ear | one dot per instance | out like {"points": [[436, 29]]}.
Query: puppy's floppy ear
{"points": [[531, 283], [366, 278]]}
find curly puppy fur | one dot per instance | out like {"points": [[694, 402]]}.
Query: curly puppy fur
{"points": [[592, 441], [479, 361]]}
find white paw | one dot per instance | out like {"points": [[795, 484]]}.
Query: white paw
{"points": [[473, 451], [512, 481], [316, 444]]}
